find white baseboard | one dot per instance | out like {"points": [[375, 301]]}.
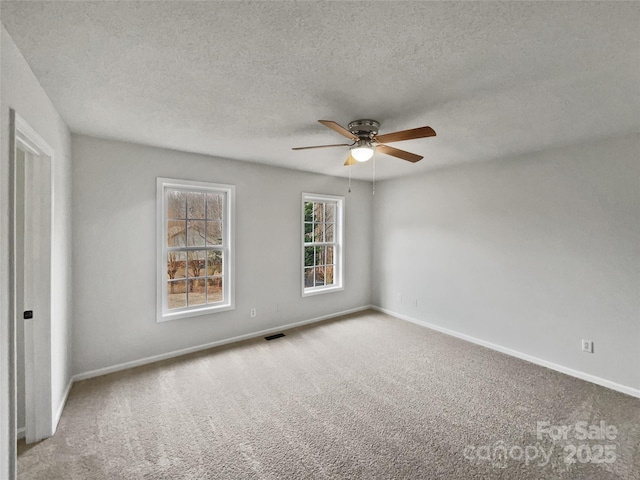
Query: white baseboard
{"points": [[634, 392], [20, 433], [156, 358]]}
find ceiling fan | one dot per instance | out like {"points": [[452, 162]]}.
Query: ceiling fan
{"points": [[364, 134]]}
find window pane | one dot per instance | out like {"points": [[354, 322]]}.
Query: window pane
{"points": [[176, 204], [329, 212], [308, 211], [328, 275], [176, 265], [214, 265], [195, 205], [215, 206], [176, 233], [196, 263], [308, 277], [318, 230], [195, 233], [323, 218], [318, 212], [197, 226], [308, 232], [176, 294], [328, 232], [329, 258], [308, 256], [319, 276], [196, 291], [214, 233], [214, 289]]}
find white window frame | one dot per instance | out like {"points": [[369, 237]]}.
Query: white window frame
{"points": [[228, 237], [338, 274]]}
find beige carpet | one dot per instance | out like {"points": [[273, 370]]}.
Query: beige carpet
{"points": [[363, 397]]}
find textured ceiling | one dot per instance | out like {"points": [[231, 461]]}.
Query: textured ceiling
{"points": [[248, 80]]}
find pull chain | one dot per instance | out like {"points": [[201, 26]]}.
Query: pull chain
{"points": [[349, 178]]}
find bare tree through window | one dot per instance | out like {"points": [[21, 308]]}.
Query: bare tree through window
{"points": [[195, 226]]}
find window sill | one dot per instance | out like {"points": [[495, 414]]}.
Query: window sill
{"points": [[309, 292], [166, 317]]}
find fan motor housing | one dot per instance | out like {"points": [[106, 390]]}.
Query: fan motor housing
{"points": [[364, 128]]}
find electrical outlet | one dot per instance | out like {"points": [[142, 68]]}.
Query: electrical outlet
{"points": [[399, 297], [253, 312], [415, 302], [587, 346]]}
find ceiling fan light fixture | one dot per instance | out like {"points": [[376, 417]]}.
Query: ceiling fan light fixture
{"points": [[364, 135], [362, 151]]}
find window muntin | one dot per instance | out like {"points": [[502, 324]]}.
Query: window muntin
{"points": [[195, 248], [322, 217]]}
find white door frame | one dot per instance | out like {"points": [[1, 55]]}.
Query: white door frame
{"points": [[38, 183]]}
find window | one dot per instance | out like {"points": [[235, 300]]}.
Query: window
{"points": [[322, 250], [195, 248]]}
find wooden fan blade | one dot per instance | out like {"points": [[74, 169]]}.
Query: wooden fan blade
{"points": [[323, 146], [395, 152], [338, 128], [350, 161], [420, 132]]}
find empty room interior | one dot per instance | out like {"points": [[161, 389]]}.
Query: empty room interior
{"points": [[313, 240]]}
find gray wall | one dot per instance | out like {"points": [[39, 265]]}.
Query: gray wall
{"points": [[115, 250], [532, 253], [22, 92]]}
